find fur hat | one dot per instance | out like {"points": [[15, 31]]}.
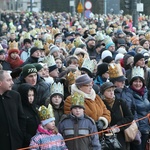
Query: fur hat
{"points": [[83, 80], [28, 69], [13, 51]]}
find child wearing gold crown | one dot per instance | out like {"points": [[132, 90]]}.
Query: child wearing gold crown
{"points": [[47, 136], [78, 124]]}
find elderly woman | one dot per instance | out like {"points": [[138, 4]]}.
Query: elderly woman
{"points": [[136, 98], [94, 106], [120, 113]]}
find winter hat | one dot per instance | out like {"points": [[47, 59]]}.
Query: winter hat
{"points": [[118, 57], [77, 100], [105, 53], [142, 42], [53, 49], [28, 69], [121, 41], [137, 57], [106, 86], [102, 68], [108, 59], [111, 43], [26, 41], [38, 66], [13, 51], [83, 80], [121, 50], [33, 49], [90, 38]]}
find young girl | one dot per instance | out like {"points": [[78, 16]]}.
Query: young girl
{"points": [[47, 136], [28, 97]]}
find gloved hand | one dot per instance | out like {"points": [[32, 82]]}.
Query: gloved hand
{"points": [[100, 125], [115, 129]]}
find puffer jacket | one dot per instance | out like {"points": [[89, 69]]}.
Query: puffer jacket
{"points": [[140, 107], [46, 140], [71, 126]]}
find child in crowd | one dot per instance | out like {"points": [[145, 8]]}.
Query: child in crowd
{"points": [[28, 97], [57, 100], [47, 136], [78, 124]]}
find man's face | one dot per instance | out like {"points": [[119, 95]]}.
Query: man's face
{"points": [[27, 45], [36, 54], [77, 111], [2, 56], [7, 82], [54, 73], [91, 43], [31, 79]]}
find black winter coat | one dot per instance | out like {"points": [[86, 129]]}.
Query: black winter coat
{"points": [[12, 121], [30, 110]]}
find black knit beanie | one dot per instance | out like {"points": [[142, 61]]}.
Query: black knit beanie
{"points": [[101, 69], [137, 57]]}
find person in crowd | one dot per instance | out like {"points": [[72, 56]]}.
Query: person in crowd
{"points": [[28, 97], [47, 136], [13, 122], [57, 100], [35, 54], [94, 106], [136, 97], [102, 74], [14, 59], [117, 107], [29, 75], [79, 124]]}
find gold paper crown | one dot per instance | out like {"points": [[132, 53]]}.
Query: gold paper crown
{"points": [[108, 40], [77, 99], [78, 42], [137, 72], [49, 60], [70, 46], [92, 31], [115, 70], [80, 61], [46, 47], [57, 88], [33, 32], [109, 30], [45, 113], [26, 35], [13, 45], [147, 36], [55, 31], [99, 36], [71, 76], [38, 44], [88, 64]]}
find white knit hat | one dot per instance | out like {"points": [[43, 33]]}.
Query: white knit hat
{"points": [[121, 50], [105, 54], [119, 56]]}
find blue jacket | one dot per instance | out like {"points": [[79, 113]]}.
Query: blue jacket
{"points": [[140, 107]]}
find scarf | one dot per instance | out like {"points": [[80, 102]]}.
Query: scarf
{"points": [[139, 92], [91, 96], [109, 101]]}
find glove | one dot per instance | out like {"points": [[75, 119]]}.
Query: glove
{"points": [[100, 125], [115, 129]]}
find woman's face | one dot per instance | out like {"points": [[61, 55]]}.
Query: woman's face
{"points": [[137, 84], [87, 88], [109, 93]]}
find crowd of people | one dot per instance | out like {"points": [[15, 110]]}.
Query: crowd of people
{"points": [[62, 77]]}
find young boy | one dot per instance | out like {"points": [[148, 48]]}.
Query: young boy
{"points": [[57, 100], [78, 124]]}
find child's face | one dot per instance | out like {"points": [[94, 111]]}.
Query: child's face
{"points": [[31, 96], [14, 55], [56, 100], [50, 125], [77, 111]]}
